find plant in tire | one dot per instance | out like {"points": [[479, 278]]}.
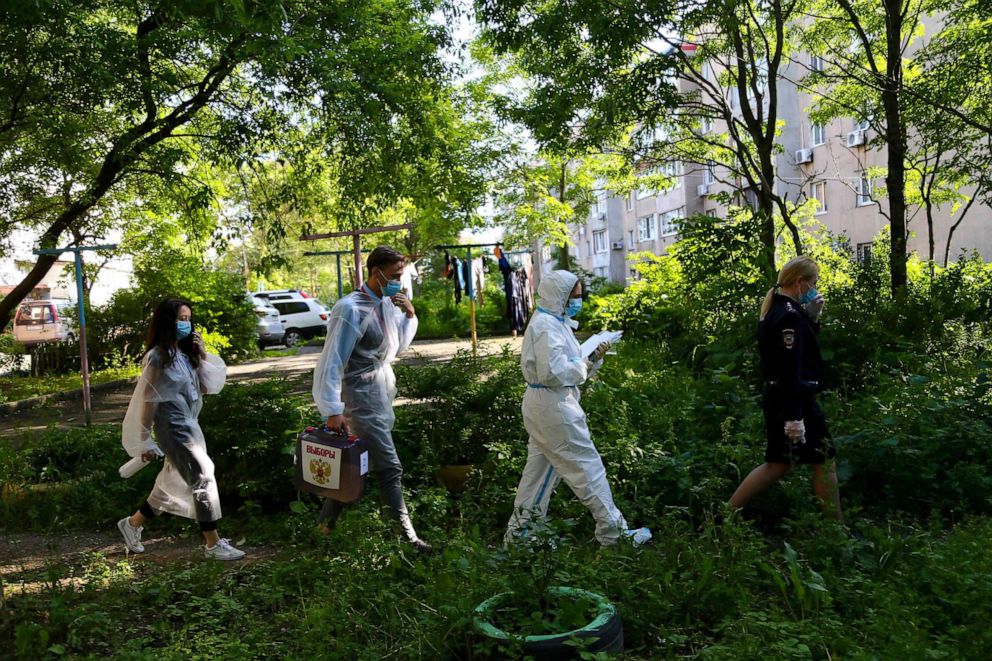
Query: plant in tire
{"points": [[543, 620]]}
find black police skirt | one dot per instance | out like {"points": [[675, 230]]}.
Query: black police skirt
{"points": [[780, 449]]}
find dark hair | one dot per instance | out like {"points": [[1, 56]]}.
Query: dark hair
{"points": [[383, 256], [162, 333]]}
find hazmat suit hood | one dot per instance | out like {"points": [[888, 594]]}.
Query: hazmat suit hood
{"points": [[553, 292]]}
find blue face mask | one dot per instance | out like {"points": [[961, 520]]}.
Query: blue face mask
{"points": [[574, 307], [809, 296], [391, 288], [183, 329]]}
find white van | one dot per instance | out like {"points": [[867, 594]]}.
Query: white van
{"points": [[38, 322]]}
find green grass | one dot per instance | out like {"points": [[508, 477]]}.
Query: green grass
{"points": [[279, 353], [778, 582], [14, 388], [725, 592]]}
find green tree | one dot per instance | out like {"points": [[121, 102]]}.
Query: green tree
{"points": [[649, 75], [866, 46], [539, 197], [97, 94], [730, 57]]}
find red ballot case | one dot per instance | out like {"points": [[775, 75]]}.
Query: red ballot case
{"points": [[330, 464]]}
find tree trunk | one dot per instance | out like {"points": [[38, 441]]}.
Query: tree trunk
{"points": [[128, 147], [766, 210], [563, 256], [895, 135]]}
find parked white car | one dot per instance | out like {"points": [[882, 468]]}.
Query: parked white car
{"points": [[39, 322], [269, 330], [300, 315]]}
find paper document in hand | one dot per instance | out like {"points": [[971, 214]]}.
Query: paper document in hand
{"points": [[590, 345]]}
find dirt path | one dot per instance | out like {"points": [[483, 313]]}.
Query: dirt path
{"points": [[25, 558], [109, 406]]}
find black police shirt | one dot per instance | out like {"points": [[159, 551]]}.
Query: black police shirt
{"points": [[790, 354]]}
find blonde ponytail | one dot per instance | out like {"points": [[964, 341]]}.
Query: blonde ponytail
{"points": [[797, 268]]}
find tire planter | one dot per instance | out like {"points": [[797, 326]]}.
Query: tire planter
{"points": [[455, 476], [603, 634]]}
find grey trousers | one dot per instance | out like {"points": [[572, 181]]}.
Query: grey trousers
{"points": [[385, 463]]}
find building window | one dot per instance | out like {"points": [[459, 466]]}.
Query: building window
{"points": [[818, 132], [864, 253], [863, 125], [815, 63], [706, 71], [645, 228], [599, 241], [864, 191], [601, 203], [706, 125], [643, 193], [709, 175], [630, 201], [751, 198], [819, 193], [673, 170], [588, 248], [668, 221], [546, 254], [760, 81], [630, 237]]}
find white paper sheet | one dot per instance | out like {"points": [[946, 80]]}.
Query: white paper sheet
{"points": [[590, 345]]}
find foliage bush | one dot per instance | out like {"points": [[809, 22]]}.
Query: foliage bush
{"points": [[676, 419], [221, 311], [441, 318], [482, 393]]}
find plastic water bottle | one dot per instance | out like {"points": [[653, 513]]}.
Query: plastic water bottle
{"points": [[132, 467]]}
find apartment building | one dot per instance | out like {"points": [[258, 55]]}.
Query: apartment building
{"points": [[829, 163]]}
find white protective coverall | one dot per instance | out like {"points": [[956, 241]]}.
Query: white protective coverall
{"points": [[560, 447], [354, 377], [167, 401]]}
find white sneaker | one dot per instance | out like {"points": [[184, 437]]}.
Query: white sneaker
{"points": [[223, 550], [131, 535], [638, 537]]}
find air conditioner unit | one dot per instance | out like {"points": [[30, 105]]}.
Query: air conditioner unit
{"points": [[702, 189], [618, 245], [855, 138], [804, 156]]}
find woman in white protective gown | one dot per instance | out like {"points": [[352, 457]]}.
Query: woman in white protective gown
{"points": [[162, 420], [560, 447]]}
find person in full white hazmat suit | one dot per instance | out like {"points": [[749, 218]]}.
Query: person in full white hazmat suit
{"points": [[560, 447], [162, 420], [354, 385]]}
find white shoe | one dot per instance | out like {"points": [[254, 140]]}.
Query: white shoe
{"points": [[638, 537], [131, 535], [223, 550]]}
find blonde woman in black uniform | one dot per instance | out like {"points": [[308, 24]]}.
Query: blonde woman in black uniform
{"points": [[791, 364]]}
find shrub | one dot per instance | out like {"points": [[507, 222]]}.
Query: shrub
{"points": [[220, 310], [251, 430], [440, 317]]}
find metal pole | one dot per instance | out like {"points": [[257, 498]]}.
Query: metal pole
{"points": [[471, 304], [340, 284], [358, 261], [84, 362]]}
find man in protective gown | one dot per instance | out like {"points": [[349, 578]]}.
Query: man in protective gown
{"points": [[354, 385]]}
